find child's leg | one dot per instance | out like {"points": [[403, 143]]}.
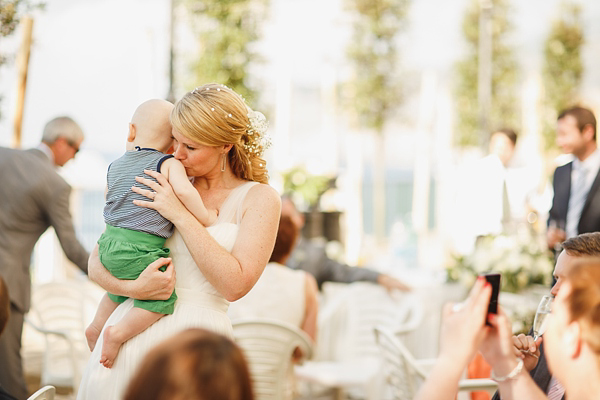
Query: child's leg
{"points": [[105, 308], [133, 323]]}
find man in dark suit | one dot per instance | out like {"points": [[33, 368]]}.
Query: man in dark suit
{"points": [[33, 197], [576, 204], [532, 353], [311, 257]]}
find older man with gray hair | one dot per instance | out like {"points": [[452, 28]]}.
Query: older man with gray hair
{"points": [[33, 197]]}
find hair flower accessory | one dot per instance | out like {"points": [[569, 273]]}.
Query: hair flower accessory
{"points": [[257, 140]]}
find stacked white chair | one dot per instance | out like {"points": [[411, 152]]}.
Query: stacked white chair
{"points": [[352, 365], [45, 393], [404, 374], [60, 311]]}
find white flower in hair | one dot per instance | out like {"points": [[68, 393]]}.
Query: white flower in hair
{"points": [[258, 141]]}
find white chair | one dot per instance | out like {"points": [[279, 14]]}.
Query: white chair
{"points": [[268, 346], [404, 374], [45, 393], [59, 312], [353, 362]]}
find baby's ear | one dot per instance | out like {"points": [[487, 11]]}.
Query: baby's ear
{"points": [[131, 136]]}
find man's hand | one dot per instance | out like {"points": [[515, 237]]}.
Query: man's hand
{"points": [[555, 236], [526, 348], [391, 283], [154, 284]]}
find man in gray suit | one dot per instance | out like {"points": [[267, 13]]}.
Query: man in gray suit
{"points": [[311, 257], [33, 197]]}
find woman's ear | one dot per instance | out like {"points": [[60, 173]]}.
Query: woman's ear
{"points": [[226, 148], [572, 339]]}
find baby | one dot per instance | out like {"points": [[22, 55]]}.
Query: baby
{"points": [[135, 236]]}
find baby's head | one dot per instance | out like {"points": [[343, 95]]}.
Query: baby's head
{"points": [[150, 126]]}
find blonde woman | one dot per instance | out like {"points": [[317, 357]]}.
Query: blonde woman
{"points": [[219, 141]]}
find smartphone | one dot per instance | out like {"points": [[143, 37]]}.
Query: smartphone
{"points": [[494, 280]]}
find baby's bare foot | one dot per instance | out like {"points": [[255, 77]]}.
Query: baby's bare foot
{"points": [[110, 348], [91, 335]]}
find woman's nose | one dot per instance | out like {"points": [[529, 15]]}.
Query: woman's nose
{"points": [[178, 153]]}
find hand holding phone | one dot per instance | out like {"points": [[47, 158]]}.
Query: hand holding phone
{"points": [[494, 280]]}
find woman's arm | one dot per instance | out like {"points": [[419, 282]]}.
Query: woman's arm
{"points": [[152, 284], [463, 329], [309, 325], [232, 274]]}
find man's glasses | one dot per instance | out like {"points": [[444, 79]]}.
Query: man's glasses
{"points": [[75, 147]]}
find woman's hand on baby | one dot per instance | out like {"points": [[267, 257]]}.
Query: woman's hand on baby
{"points": [[154, 284], [163, 198]]}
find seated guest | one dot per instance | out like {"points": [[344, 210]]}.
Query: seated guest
{"points": [[282, 293], [194, 364], [310, 256], [571, 342]]}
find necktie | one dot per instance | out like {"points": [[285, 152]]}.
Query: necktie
{"points": [[579, 192], [555, 390]]}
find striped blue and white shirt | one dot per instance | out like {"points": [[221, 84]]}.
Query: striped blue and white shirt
{"points": [[119, 210]]}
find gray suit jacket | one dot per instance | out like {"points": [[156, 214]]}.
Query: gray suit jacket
{"points": [[33, 197], [310, 256]]}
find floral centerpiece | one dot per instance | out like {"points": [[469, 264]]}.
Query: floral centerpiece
{"points": [[522, 259]]}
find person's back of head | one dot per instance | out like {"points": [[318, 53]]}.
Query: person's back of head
{"points": [[583, 116], [194, 364], [287, 234], [4, 305], [150, 125]]}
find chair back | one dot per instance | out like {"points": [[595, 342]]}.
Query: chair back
{"points": [[402, 373], [45, 393], [356, 311], [268, 346], [59, 310]]}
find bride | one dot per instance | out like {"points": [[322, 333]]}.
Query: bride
{"points": [[220, 143]]}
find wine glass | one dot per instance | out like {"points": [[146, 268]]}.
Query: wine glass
{"points": [[540, 323], [558, 225]]}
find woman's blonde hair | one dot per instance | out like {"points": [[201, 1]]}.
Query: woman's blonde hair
{"points": [[584, 300], [215, 115]]}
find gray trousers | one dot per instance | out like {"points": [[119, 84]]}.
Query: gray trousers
{"points": [[12, 378]]}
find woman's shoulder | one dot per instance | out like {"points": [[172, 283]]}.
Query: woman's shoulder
{"points": [[264, 195]]}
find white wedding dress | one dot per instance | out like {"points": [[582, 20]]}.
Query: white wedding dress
{"points": [[198, 305]]}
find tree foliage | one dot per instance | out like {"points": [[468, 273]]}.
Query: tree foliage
{"points": [[563, 67], [504, 107], [375, 88], [226, 30]]}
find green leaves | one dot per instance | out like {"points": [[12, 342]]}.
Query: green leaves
{"points": [[504, 110], [563, 68], [374, 90], [226, 30]]}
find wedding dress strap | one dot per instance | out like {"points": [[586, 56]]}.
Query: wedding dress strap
{"points": [[231, 210], [202, 299]]}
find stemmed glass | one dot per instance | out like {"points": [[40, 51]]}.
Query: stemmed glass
{"points": [[542, 315], [540, 322]]}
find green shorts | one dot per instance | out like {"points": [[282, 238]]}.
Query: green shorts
{"points": [[125, 254]]}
